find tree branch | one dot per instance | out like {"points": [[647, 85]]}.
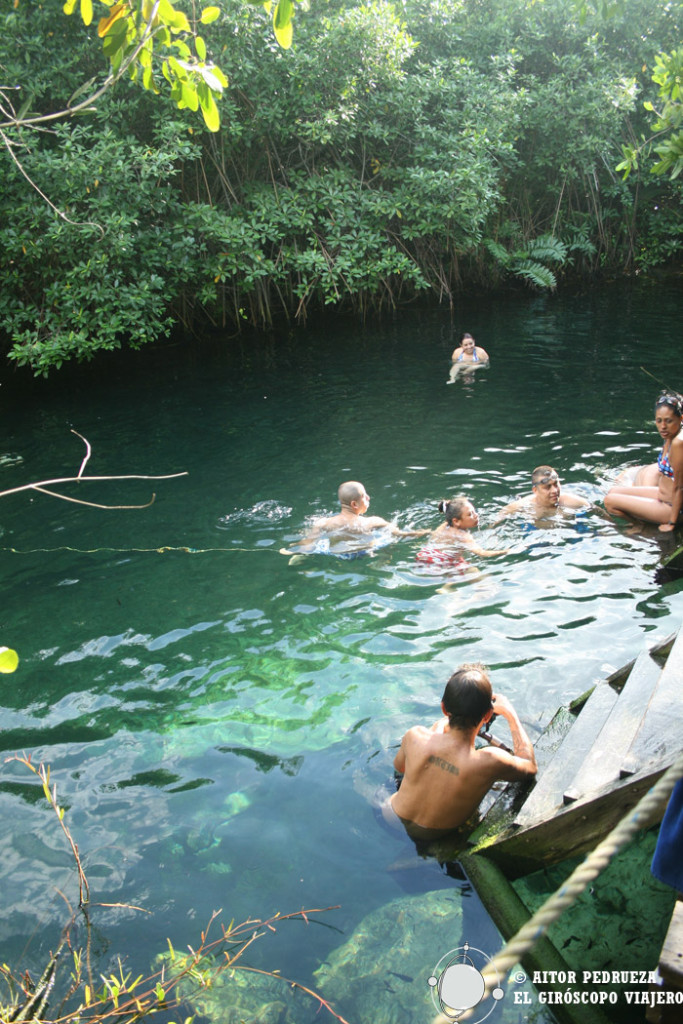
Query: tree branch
{"points": [[42, 485], [91, 504]]}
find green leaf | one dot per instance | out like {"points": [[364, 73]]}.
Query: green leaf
{"points": [[117, 12], [82, 90], [210, 14], [282, 23], [536, 273], [211, 80], [189, 95], [497, 251], [176, 67], [182, 49], [209, 109], [219, 75], [148, 81], [200, 47], [115, 39], [176, 20]]}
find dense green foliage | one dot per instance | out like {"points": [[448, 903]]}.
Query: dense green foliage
{"points": [[391, 152]]}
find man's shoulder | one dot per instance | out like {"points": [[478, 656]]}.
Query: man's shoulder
{"points": [[571, 500], [336, 522], [503, 764], [519, 503], [418, 732], [493, 757], [417, 738], [373, 522], [325, 522]]}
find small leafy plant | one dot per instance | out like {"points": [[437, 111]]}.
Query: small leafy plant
{"points": [[121, 995]]}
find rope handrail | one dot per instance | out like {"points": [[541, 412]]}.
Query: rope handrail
{"points": [[535, 928]]}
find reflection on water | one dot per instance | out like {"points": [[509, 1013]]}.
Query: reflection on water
{"points": [[218, 719]]}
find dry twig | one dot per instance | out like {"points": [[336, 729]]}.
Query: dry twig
{"points": [[42, 485]]}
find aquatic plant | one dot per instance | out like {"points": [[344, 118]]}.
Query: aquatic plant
{"points": [[119, 995]]}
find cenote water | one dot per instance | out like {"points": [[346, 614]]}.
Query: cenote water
{"points": [[218, 721]]}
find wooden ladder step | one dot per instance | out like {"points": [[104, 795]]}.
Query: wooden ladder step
{"points": [[547, 796], [602, 765], [659, 733]]}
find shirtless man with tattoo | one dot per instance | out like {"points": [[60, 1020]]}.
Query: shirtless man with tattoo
{"points": [[444, 776]]}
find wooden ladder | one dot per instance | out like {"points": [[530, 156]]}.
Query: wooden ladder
{"points": [[616, 749]]}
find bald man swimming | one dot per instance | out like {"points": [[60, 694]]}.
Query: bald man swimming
{"points": [[352, 521]]}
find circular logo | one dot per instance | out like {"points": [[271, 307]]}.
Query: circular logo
{"points": [[457, 984]]}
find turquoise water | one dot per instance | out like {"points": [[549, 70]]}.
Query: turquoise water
{"points": [[218, 721]]}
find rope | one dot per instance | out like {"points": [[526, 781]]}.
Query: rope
{"points": [[127, 551], [536, 927]]}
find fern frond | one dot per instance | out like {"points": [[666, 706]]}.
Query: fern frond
{"points": [[547, 249], [535, 273], [498, 252]]}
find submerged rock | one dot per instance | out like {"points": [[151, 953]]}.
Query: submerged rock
{"points": [[240, 997], [380, 974]]}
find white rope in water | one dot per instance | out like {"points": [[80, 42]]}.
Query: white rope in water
{"points": [[536, 927]]}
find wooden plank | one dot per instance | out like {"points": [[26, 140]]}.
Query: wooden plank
{"points": [[508, 913], [500, 804], [572, 832], [659, 650], [547, 795], [603, 762], [659, 732], [671, 958], [497, 828]]}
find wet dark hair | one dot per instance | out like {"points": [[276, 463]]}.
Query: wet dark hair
{"points": [[452, 508], [673, 400], [467, 696]]}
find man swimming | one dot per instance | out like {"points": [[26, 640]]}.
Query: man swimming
{"points": [[352, 521], [445, 777], [546, 496]]}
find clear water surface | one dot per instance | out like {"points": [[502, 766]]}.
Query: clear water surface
{"points": [[218, 721]]}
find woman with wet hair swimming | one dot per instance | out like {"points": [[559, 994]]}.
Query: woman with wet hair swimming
{"points": [[467, 356], [446, 542], [469, 352], [662, 503]]}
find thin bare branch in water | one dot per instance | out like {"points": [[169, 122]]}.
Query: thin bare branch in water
{"points": [[91, 504], [122, 906], [43, 773], [42, 485], [90, 479], [88, 451]]}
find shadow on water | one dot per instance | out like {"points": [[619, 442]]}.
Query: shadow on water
{"points": [[218, 720]]}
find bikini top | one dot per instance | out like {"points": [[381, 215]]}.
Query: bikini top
{"points": [[475, 357], [664, 464]]}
